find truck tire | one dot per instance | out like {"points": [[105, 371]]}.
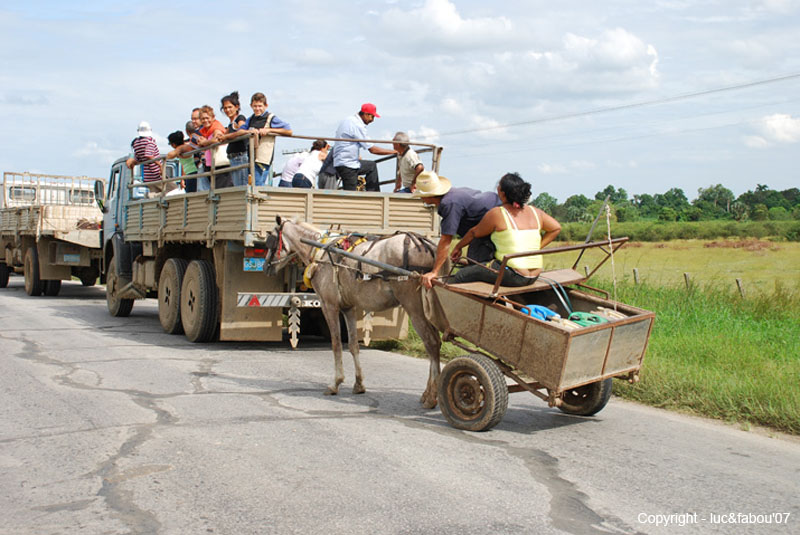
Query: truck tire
{"points": [[199, 302], [88, 276], [52, 287], [33, 284], [588, 399], [119, 308], [473, 394], [169, 295], [4, 271]]}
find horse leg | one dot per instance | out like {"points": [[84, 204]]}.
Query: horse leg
{"points": [[432, 342], [331, 314], [352, 343]]}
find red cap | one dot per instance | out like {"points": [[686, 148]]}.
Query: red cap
{"points": [[369, 108]]}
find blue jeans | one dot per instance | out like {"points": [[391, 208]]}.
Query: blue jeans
{"points": [[300, 181], [262, 177], [239, 176]]}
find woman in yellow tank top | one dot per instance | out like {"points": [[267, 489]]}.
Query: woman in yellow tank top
{"points": [[514, 227]]}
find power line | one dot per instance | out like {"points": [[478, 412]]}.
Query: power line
{"points": [[627, 106]]}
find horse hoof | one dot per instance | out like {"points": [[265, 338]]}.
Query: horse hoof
{"points": [[331, 392], [428, 403], [359, 389]]}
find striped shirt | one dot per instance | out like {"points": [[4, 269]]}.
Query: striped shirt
{"points": [[145, 148]]}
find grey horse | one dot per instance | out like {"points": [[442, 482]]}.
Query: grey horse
{"points": [[341, 286]]}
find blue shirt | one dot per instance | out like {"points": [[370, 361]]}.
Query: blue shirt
{"points": [[463, 208], [345, 153], [274, 123]]}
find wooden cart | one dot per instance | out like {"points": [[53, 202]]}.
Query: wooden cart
{"points": [[570, 368]]}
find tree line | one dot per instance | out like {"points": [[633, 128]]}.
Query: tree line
{"points": [[715, 202]]}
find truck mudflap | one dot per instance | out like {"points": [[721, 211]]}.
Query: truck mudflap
{"points": [[391, 324]]}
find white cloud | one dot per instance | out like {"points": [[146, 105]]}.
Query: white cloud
{"points": [[425, 134], [551, 169], [780, 128], [92, 149], [780, 6], [755, 142]]}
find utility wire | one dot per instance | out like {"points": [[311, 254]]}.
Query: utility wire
{"points": [[627, 106]]}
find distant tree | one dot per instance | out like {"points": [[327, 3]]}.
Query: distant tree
{"points": [[778, 213], [693, 213], [578, 201], [667, 214], [764, 195], [760, 212], [546, 202], [674, 198], [739, 211], [574, 213], [646, 204], [792, 196], [718, 195], [615, 196], [627, 212]]}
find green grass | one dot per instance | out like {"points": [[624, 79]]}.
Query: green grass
{"points": [[711, 353]]}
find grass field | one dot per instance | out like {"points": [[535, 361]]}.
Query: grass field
{"points": [[712, 352]]}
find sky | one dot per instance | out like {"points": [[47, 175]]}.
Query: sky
{"points": [[572, 95]]}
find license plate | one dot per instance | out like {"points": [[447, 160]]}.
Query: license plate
{"points": [[254, 264], [72, 258]]}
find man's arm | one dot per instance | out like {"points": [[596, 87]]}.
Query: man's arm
{"points": [[417, 170], [442, 252], [382, 152]]}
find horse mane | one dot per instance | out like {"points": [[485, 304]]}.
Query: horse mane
{"points": [[309, 226]]}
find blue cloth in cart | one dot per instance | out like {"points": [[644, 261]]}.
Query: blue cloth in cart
{"points": [[539, 312]]}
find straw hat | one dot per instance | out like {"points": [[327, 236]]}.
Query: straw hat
{"points": [[429, 184]]}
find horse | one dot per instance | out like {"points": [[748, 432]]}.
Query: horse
{"points": [[344, 284]]}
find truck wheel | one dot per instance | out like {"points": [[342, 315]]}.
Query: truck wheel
{"points": [[473, 394], [3, 275], [587, 399], [169, 295], [33, 284], [52, 287], [119, 308], [89, 276], [199, 302]]}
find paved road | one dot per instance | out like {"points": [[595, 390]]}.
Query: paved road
{"points": [[111, 426]]}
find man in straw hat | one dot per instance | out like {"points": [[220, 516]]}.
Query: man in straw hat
{"points": [[460, 209]]}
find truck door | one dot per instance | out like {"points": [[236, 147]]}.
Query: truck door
{"points": [[112, 214]]}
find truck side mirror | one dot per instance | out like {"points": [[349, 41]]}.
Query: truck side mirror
{"points": [[100, 194]]}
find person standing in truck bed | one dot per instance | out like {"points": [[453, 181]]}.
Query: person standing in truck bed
{"points": [[145, 148], [266, 125], [346, 153]]}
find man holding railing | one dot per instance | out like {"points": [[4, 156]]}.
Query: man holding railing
{"points": [[346, 153]]}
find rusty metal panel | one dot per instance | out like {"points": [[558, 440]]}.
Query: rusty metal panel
{"points": [[391, 324], [502, 332], [543, 350], [412, 214], [627, 347], [462, 313], [587, 352]]}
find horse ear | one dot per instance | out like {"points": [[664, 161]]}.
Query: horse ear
{"points": [[278, 219]]}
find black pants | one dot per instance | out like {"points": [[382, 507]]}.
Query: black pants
{"points": [[349, 176], [479, 273], [191, 183]]}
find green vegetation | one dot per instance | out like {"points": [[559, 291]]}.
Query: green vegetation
{"points": [[715, 354], [655, 231]]}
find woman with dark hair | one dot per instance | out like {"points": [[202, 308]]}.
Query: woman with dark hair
{"points": [[513, 227], [237, 150]]}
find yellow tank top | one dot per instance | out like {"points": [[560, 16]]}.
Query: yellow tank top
{"points": [[512, 240]]}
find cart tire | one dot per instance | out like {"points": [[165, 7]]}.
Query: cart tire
{"points": [[199, 302], [169, 295], [52, 287], [33, 284], [119, 308], [473, 394], [4, 272], [89, 276], [588, 399]]}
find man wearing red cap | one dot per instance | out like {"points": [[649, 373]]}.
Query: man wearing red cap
{"points": [[346, 153]]}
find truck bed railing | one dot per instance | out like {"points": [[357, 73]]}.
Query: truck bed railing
{"points": [[33, 189]]}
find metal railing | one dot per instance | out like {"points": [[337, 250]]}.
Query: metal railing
{"points": [[33, 189]]}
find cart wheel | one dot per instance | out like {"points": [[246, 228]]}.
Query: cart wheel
{"points": [[588, 399], [169, 295], [33, 284], [473, 394], [117, 307]]}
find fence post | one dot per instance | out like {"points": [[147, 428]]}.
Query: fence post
{"points": [[636, 275], [586, 270], [741, 287], [688, 281]]}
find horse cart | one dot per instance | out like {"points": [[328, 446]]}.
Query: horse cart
{"points": [[557, 338], [567, 363]]}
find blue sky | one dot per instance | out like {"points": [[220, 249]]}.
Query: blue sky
{"points": [[77, 79]]}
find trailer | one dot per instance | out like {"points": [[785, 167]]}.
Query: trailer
{"points": [[568, 364], [50, 230], [203, 254]]}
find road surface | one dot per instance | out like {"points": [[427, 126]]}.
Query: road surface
{"points": [[111, 426]]}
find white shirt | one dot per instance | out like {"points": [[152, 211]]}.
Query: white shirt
{"points": [[291, 167], [311, 166]]}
